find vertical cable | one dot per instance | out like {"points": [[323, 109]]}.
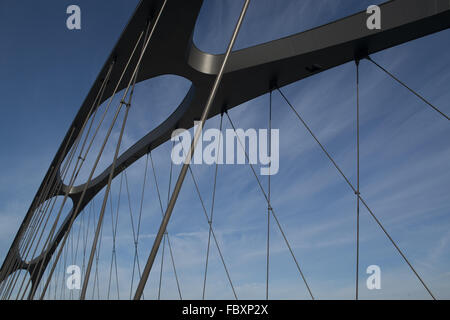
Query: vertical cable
{"points": [[83, 193], [105, 199], [272, 210], [268, 196], [47, 211], [166, 233], [135, 236], [184, 169], [131, 84], [168, 239], [359, 196], [212, 232], [357, 178], [114, 233], [162, 266], [210, 220], [80, 161], [136, 242]]}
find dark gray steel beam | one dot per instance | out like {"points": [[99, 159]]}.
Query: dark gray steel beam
{"points": [[251, 72]]}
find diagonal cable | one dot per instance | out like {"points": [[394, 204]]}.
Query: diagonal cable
{"points": [[135, 236], [114, 224], [212, 229], [359, 196], [168, 239], [212, 232], [210, 220], [184, 168], [411, 90], [166, 233], [272, 210], [83, 193]]}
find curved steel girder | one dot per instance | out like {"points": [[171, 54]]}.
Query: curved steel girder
{"points": [[251, 72]]}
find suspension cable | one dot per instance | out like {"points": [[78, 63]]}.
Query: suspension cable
{"points": [[162, 265], [86, 235], [168, 239], [212, 232], [182, 175], [357, 179], [210, 220], [45, 213], [136, 240], [97, 258], [80, 161], [95, 163], [114, 224], [197, 189], [136, 233], [12, 261], [411, 90], [359, 196], [48, 241], [166, 234], [272, 210], [268, 197], [105, 199], [132, 83]]}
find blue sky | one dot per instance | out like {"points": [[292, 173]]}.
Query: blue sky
{"points": [[47, 71]]}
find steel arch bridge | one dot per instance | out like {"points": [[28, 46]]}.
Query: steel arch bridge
{"points": [[158, 40]]}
